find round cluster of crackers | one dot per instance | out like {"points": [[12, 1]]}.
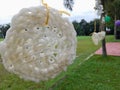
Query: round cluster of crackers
{"points": [[36, 51]]}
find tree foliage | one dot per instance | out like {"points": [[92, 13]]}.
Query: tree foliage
{"points": [[112, 8], [3, 29], [84, 28], [68, 4]]}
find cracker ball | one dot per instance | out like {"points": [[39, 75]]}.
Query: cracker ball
{"points": [[97, 37], [35, 51]]}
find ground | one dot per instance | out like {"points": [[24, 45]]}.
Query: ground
{"points": [[96, 73]]}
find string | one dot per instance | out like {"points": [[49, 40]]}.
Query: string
{"points": [[47, 18], [64, 12], [95, 26]]}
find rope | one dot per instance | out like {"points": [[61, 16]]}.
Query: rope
{"points": [[95, 26], [47, 17], [48, 11], [64, 12]]}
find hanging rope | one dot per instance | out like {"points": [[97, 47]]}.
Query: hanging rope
{"points": [[95, 26], [48, 11], [47, 8], [64, 12]]}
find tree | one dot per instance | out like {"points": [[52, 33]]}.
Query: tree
{"points": [[77, 27], [4, 28], [100, 7], [85, 28], [112, 8], [68, 4]]}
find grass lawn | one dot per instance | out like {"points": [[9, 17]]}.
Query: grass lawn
{"points": [[98, 73]]}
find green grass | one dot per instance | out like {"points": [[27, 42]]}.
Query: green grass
{"points": [[94, 74], [1, 39], [97, 73], [111, 38]]}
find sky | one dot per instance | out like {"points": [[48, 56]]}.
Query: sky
{"points": [[82, 9]]}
